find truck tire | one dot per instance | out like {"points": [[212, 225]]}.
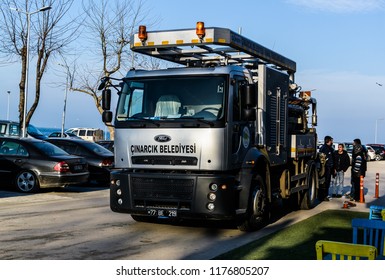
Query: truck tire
{"points": [[308, 197], [258, 212]]}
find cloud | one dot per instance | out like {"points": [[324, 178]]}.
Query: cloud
{"points": [[340, 6]]}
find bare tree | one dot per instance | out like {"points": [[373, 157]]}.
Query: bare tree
{"points": [[108, 27], [49, 35]]}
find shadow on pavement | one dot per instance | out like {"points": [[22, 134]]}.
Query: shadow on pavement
{"points": [[9, 191]]}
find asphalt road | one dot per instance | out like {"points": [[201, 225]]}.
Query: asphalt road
{"points": [[76, 223]]}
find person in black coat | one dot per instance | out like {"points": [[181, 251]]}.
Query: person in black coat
{"points": [[328, 150], [341, 164], [358, 168]]}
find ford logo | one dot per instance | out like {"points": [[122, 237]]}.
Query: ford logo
{"points": [[162, 138]]}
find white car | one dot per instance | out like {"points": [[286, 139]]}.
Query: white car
{"points": [[371, 153]]}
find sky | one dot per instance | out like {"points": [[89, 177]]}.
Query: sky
{"points": [[338, 45]]}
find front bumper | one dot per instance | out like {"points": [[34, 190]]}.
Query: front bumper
{"points": [[177, 195]]}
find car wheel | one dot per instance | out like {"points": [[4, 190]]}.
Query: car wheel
{"points": [[378, 157], [26, 181]]}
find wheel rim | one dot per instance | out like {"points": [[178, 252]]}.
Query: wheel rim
{"points": [[26, 181], [259, 204], [313, 182]]}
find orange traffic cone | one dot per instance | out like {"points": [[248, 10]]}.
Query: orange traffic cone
{"points": [[376, 190], [362, 198]]}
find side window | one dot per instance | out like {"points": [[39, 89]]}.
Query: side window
{"points": [[3, 128], [69, 148], [14, 130], [237, 99], [22, 151], [82, 132], [4, 149], [137, 102], [12, 148]]}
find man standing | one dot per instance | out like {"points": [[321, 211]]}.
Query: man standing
{"points": [[358, 168], [328, 150], [341, 164]]}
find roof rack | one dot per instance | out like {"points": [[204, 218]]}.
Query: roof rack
{"points": [[212, 46]]}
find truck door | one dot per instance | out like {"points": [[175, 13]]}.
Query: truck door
{"points": [[240, 131]]}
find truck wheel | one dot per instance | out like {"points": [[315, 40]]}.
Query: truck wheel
{"points": [[308, 197], [258, 212]]}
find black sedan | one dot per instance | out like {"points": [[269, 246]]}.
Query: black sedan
{"points": [[99, 159], [108, 144], [30, 164]]}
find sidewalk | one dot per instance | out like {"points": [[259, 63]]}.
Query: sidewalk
{"points": [[369, 190], [337, 203]]}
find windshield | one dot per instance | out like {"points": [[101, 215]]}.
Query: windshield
{"points": [[173, 98], [49, 149], [97, 149]]}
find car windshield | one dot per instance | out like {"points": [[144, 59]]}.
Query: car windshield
{"points": [[49, 149], [34, 130], [172, 98]]}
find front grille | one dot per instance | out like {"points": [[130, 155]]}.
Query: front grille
{"points": [[164, 160], [162, 189]]}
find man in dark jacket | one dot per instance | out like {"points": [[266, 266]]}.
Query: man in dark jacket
{"points": [[328, 150], [358, 168], [341, 164]]}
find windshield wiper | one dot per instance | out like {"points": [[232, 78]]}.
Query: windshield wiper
{"points": [[210, 123], [146, 120]]}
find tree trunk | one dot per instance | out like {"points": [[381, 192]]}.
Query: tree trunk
{"points": [[22, 84]]}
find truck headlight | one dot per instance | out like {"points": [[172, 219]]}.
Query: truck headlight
{"points": [[212, 196]]}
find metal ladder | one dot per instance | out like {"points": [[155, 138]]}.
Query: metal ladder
{"points": [[218, 46]]}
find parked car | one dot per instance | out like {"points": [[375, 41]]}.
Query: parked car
{"points": [[89, 134], [12, 129], [380, 150], [66, 134], [30, 164], [99, 159], [108, 144], [371, 153]]}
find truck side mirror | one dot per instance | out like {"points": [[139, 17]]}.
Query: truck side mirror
{"points": [[106, 99], [249, 114], [107, 116], [248, 100], [249, 96]]}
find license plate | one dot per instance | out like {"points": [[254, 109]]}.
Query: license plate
{"points": [[78, 167], [162, 213]]}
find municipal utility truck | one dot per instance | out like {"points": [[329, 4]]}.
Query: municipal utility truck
{"points": [[217, 137]]}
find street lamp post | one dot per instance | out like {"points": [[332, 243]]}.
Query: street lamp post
{"points": [[375, 134], [65, 100], [28, 14], [9, 94]]}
